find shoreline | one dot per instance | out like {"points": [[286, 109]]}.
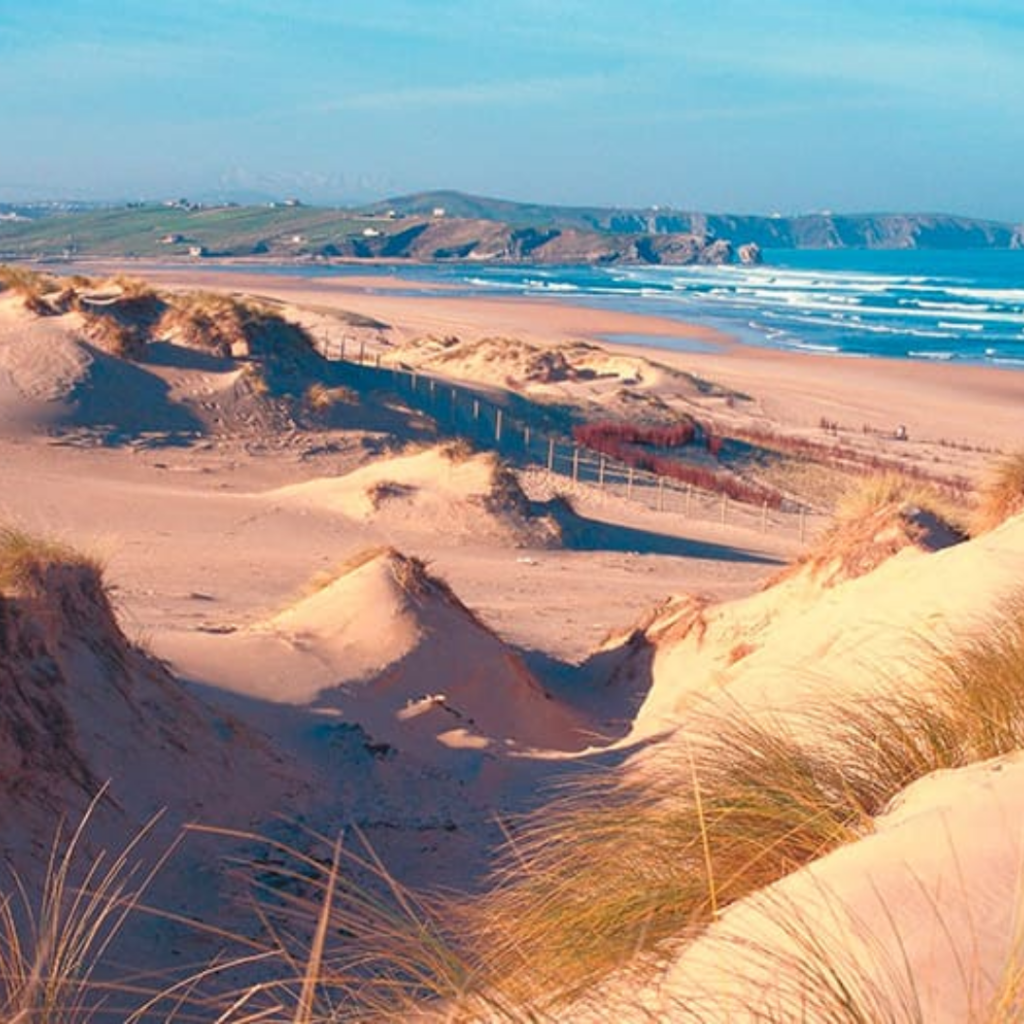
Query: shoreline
{"points": [[959, 404]]}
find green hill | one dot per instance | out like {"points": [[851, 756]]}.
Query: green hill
{"points": [[804, 231]]}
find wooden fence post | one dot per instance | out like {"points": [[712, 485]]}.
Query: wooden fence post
{"points": [[600, 473], [526, 437], [476, 408], [497, 427], [551, 455], [575, 463], [362, 351]]}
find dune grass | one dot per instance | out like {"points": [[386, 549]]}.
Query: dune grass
{"points": [[342, 941], [53, 943], [619, 864], [115, 335], [208, 321], [229, 325], [320, 398], [622, 862], [27, 561], [33, 287], [625, 866], [874, 519], [1001, 494], [781, 967], [134, 288], [868, 494]]}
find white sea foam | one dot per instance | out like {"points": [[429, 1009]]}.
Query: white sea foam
{"points": [[928, 354], [480, 282], [813, 310], [917, 333], [551, 286], [954, 306], [992, 294], [810, 346]]}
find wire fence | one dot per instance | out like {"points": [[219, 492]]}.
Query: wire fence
{"points": [[538, 438]]}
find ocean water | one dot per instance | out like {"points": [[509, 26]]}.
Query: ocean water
{"points": [[953, 307]]}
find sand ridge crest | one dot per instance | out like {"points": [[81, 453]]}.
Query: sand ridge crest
{"points": [[83, 707], [465, 494], [380, 691], [388, 646]]}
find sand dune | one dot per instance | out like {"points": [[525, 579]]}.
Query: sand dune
{"points": [[379, 699], [84, 708], [777, 651], [919, 921], [471, 494], [387, 646]]}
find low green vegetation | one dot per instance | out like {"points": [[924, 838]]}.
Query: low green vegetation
{"points": [[178, 231]]}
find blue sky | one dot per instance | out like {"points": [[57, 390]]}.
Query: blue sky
{"points": [[730, 105]]}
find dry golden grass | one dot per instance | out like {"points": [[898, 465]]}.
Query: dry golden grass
{"points": [[320, 399], [624, 862], [611, 869], [134, 288], [788, 972], [35, 288], [812, 483], [114, 335], [53, 943], [123, 320], [219, 324], [1002, 493], [28, 561], [342, 941], [255, 376], [458, 451], [875, 518]]}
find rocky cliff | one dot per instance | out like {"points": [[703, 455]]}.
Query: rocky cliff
{"points": [[461, 238], [805, 231]]}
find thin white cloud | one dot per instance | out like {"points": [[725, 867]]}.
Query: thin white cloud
{"points": [[757, 111], [520, 92]]}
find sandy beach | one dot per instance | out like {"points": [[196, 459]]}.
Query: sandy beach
{"points": [[956, 418], [404, 634], [962, 404]]}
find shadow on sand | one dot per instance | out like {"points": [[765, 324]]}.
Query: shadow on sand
{"points": [[582, 534]]}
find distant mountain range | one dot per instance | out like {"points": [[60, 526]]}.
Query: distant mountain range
{"points": [[452, 226]]}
